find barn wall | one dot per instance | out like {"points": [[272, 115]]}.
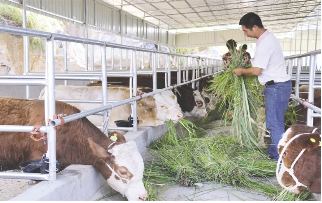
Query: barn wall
{"points": [[98, 15], [213, 38]]}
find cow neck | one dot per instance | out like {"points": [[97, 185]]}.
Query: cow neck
{"points": [[291, 170]]}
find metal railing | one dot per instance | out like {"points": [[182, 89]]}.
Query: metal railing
{"points": [[210, 67], [306, 63]]}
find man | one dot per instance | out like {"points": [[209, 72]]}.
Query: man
{"points": [[244, 48], [269, 65]]}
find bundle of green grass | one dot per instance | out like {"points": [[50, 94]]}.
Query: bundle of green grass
{"points": [[241, 95]]}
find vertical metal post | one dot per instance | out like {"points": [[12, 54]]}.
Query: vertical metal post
{"points": [[301, 39], [290, 70], [92, 58], [179, 71], [309, 118], [308, 37], [193, 77], [316, 33], [25, 46], [154, 71], [131, 72], [112, 55], [65, 61], [188, 67], [298, 73], [51, 153], [134, 105], [86, 31], [121, 58], [104, 80], [169, 69], [127, 59]]}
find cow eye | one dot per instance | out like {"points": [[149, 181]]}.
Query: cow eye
{"points": [[123, 173]]}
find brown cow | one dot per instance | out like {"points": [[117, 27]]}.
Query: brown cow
{"points": [[300, 150], [77, 142]]}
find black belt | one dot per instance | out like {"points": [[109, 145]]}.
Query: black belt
{"points": [[271, 82]]}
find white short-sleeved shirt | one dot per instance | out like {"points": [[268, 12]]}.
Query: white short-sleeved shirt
{"points": [[269, 57]]}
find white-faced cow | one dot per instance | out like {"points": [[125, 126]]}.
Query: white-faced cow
{"points": [[77, 142], [187, 105], [152, 111], [300, 150]]}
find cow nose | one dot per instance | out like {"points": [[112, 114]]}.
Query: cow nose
{"points": [[143, 197], [180, 116], [206, 115]]}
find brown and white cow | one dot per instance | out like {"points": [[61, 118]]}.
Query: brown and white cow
{"points": [[152, 111], [146, 81], [77, 142], [300, 150]]}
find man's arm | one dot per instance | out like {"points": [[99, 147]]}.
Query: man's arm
{"points": [[253, 71]]}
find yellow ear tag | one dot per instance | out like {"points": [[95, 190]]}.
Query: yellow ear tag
{"points": [[319, 143], [312, 140], [140, 104], [114, 138]]}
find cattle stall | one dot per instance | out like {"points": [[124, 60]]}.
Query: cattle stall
{"points": [[305, 70], [206, 66]]}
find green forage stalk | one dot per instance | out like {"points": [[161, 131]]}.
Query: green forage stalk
{"points": [[241, 96]]}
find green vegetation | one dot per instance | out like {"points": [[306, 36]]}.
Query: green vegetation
{"points": [[287, 196], [193, 159], [35, 22], [240, 95], [187, 50], [198, 158]]}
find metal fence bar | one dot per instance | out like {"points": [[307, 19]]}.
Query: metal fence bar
{"points": [[22, 82], [30, 176], [304, 55], [34, 33], [307, 104], [19, 128]]}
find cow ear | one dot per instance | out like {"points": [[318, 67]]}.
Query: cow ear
{"points": [[120, 136], [309, 141], [147, 102], [97, 150]]}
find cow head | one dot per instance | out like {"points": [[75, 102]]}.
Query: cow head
{"points": [[167, 106], [122, 166], [209, 101], [300, 150], [164, 106], [199, 110]]}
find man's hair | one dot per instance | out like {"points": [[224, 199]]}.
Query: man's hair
{"points": [[244, 46], [231, 44], [251, 19]]}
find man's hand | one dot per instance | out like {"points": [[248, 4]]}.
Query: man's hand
{"points": [[238, 71]]}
